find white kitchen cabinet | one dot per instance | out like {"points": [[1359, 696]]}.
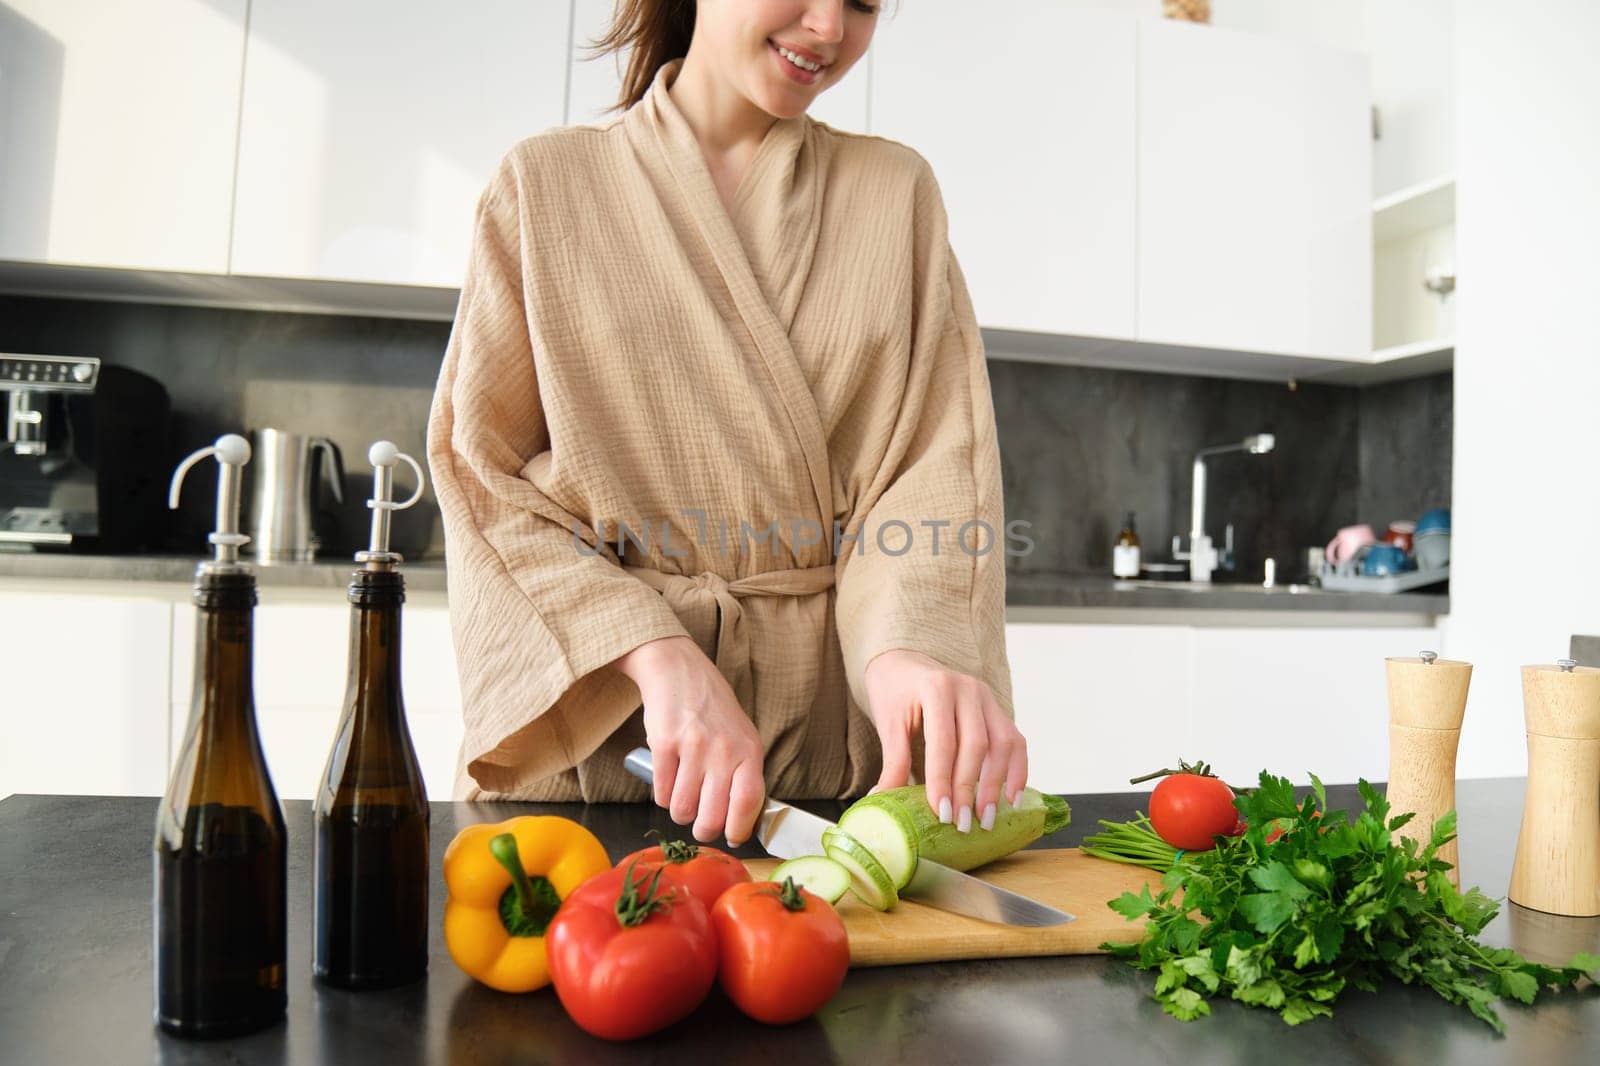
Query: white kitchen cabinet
{"points": [[1097, 703], [1255, 203], [117, 131], [1028, 121], [301, 663], [1296, 701], [369, 128], [596, 82], [85, 704], [1101, 704]]}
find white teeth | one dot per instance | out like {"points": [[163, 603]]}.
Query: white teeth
{"points": [[799, 61]]}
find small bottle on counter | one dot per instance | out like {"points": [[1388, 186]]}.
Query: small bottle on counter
{"points": [[1125, 553], [221, 872], [371, 813]]}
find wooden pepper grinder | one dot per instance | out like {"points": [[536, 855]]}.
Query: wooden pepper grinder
{"points": [[1427, 700], [1558, 851]]}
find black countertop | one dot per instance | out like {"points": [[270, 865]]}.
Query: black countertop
{"points": [[76, 976], [1024, 590]]}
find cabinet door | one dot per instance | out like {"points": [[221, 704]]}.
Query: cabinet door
{"points": [[117, 131], [596, 82], [370, 127], [1097, 703], [1297, 701], [1255, 193], [85, 707], [1028, 122]]}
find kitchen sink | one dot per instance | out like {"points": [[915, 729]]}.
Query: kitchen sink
{"points": [[1204, 587]]}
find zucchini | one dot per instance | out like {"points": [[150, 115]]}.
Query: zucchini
{"points": [[1035, 815], [886, 830], [817, 874], [868, 879]]}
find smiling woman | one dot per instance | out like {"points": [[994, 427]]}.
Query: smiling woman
{"points": [[715, 311], [655, 32]]}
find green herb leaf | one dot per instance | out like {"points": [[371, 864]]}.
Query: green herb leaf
{"points": [[1130, 906], [1186, 1005], [1339, 901]]}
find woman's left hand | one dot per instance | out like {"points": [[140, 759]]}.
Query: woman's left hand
{"points": [[971, 747]]}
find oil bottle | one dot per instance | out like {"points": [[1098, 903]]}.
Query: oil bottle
{"points": [[220, 854], [371, 812]]}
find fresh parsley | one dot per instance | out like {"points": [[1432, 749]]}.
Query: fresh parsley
{"points": [[1332, 903]]}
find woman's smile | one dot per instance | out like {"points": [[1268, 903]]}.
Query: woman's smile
{"points": [[804, 75]]}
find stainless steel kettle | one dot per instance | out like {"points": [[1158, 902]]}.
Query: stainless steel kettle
{"points": [[283, 493]]}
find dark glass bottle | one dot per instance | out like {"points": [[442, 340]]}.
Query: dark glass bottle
{"points": [[220, 854], [371, 845]]}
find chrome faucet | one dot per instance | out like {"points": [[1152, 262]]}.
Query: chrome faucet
{"points": [[1202, 554]]}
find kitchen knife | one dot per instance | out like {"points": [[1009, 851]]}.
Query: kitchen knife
{"points": [[788, 833]]}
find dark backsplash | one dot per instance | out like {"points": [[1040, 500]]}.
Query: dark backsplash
{"points": [[1079, 447], [353, 380]]}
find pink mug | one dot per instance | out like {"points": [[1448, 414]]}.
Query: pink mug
{"points": [[1348, 541]]}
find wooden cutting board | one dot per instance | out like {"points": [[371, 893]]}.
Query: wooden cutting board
{"points": [[1063, 878]]}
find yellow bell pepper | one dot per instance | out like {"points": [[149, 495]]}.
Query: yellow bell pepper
{"points": [[504, 883]]}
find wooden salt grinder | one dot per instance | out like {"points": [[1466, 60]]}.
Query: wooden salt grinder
{"points": [[1427, 700], [1558, 850]]}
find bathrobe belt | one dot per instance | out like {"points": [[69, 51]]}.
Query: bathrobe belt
{"points": [[692, 597]]}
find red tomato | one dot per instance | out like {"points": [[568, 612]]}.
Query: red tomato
{"points": [[1187, 810], [704, 871], [783, 951], [630, 953]]}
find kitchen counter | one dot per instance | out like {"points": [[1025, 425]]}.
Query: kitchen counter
{"points": [[1050, 597], [1030, 597], [76, 974]]}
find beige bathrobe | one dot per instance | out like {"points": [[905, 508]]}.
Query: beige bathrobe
{"points": [[628, 352]]}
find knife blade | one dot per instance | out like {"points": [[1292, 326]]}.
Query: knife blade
{"points": [[789, 832]]}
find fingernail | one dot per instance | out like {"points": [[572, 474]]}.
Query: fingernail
{"points": [[874, 788], [964, 823], [988, 817], [944, 810]]}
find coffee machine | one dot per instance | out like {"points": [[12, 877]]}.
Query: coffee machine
{"points": [[84, 454]]}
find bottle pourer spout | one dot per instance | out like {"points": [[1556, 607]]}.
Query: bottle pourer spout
{"points": [[383, 455], [232, 453]]}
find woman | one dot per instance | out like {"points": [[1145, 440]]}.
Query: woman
{"points": [[713, 435]]}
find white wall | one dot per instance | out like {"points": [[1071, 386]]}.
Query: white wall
{"points": [[1527, 384]]}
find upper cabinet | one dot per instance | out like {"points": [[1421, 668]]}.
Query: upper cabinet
{"points": [[1124, 179], [117, 131], [597, 81], [370, 127], [1029, 124], [1255, 193]]}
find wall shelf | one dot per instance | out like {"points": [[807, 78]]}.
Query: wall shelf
{"points": [[1415, 209]]}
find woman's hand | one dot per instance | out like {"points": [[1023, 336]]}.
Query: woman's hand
{"points": [[970, 747], [707, 755]]}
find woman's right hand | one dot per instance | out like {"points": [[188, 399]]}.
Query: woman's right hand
{"points": [[707, 754]]}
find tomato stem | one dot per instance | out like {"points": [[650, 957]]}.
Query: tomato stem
{"points": [[787, 894], [632, 908], [674, 851]]}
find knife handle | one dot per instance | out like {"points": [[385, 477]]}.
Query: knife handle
{"points": [[638, 763]]}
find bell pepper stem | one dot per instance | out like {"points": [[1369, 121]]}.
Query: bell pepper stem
{"points": [[504, 850]]}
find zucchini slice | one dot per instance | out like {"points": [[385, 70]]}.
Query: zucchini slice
{"points": [[817, 874], [868, 879], [886, 830]]}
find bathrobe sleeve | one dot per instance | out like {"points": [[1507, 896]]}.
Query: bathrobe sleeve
{"points": [[941, 589], [537, 611]]}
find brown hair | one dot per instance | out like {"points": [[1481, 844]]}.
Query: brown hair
{"points": [[654, 32]]}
